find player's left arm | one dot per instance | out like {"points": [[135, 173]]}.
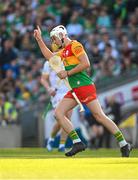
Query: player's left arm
{"points": [[84, 64], [80, 53]]}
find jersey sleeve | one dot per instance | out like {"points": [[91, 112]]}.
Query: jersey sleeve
{"points": [[46, 68], [77, 49]]}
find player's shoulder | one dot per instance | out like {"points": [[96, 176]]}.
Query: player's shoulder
{"points": [[76, 43], [77, 48], [46, 64]]}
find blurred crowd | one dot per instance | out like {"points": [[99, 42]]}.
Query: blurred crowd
{"points": [[108, 30]]}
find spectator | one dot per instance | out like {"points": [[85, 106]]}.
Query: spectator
{"points": [[4, 34], [110, 52], [8, 83], [120, 10], [65, 15], [126, 46], [7, 53], [8, 113], [104, 40], [133, 21], [74, 27], [103, 20], [113, 66], [55, 10], [127, 64]]}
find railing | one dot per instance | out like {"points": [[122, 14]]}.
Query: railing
{"points": [[112, 82]]}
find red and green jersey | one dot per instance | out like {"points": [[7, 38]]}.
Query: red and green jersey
{"points": [[69, 56]]}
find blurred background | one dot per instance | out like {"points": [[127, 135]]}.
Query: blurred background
{"points": [[108, 29]]}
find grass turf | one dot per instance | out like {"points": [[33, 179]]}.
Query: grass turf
{"points": [[37, 163]]}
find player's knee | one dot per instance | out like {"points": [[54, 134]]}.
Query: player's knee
{"points": [[98, 116], [58, 114]]}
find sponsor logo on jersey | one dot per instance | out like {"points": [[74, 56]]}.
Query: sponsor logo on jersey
{"points": [[78, 82], [78, 50]]}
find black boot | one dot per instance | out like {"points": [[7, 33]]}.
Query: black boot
{"points": [[76, 148], [125, 150]]}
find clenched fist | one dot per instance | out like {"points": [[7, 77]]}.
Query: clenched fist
{"points": [[62, 74], [37, 33]]}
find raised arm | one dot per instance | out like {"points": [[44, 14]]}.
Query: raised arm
{"points": [[44, 49]]}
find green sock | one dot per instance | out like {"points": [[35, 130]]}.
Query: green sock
{"points": [[74, 136], [120, 138]]}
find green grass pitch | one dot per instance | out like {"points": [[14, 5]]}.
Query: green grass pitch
{"points": [[37, 163]]}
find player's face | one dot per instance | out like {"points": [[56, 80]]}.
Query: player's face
{"points": [[56, 40]]}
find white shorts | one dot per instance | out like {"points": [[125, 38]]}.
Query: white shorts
{"points": [[56, 99]]}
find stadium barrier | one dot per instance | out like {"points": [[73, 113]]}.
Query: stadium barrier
{"points": [[10, 136]]}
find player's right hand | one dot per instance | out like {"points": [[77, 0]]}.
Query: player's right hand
{"points": [[52, 92], [37, 33]]}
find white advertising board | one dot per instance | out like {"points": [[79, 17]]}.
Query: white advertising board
{"points": [[124, 94]]}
